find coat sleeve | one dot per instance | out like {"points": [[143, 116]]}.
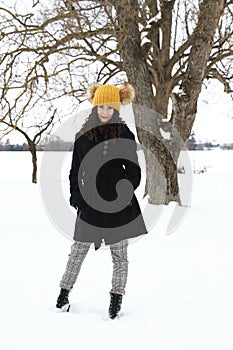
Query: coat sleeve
{"points": [[76, 199], [132, 168]]}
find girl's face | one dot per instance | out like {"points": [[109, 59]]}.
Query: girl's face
{"points": [[105, 113]]}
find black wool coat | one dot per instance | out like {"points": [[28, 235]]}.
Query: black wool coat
{"points": [[108, 209]]}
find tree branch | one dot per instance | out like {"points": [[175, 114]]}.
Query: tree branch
{"points": [[214, 73]]}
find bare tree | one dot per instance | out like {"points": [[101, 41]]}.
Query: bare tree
{"points": [[38, 129], [166, 63], [167, 49]]}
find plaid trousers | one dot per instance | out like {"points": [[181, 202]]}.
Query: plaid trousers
{"points": [[78, 253]]}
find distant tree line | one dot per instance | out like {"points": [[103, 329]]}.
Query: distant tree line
{"points": [[55, 143], [194, 145], [49, 143]]}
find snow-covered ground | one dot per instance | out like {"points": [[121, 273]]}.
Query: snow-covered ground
{"points": [[180, 288]]}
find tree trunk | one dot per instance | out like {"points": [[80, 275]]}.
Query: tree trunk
{"points": [[183, 114], [163, 170], [162, 98], [161, 145], [32, 149]]}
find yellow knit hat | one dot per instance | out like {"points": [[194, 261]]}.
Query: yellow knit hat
{"points": [[110, 95], [107, 95]]}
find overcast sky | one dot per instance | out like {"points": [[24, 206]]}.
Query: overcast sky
{"points": [[214, 119]]}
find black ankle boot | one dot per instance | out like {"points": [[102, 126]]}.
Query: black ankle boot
{"points": [[63, 301], [115, 305]]}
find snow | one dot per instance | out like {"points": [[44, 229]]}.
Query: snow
{"points": [[180, 287], [165, 134]]}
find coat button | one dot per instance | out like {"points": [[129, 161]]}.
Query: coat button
{"points": [[105, 146], [105, 142], [105, 152]]}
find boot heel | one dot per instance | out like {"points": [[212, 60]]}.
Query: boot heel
{"points": [[65, 308]]}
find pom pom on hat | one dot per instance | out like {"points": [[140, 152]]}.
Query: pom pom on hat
{"points": [[127, 93], [91, 91]]}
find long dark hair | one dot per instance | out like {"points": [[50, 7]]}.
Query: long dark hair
{"points": [[113, 130]]}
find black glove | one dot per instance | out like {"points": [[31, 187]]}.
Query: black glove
{"points": [[73, 203]]}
